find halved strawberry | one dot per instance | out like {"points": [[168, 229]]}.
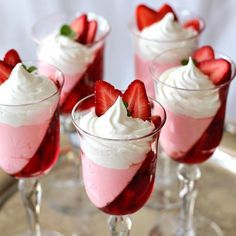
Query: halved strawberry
{"points": [[136, 98], [164, 10], [92, 29], [193, 23], [80, 26], [12, 57], [156, 120], [145, 16], [218, 70], [5, 71], [105, 96], [204, 53]]}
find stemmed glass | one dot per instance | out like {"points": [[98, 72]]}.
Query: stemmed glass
{"points": [[82, 66], [117, 192], [145, 50], [30, 143], [189, 137]]}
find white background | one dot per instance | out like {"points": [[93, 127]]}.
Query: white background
{"points": [[18, 16]]}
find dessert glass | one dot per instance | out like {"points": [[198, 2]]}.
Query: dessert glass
{"points": [[32, 149], [189, 141], [144, 52], [77, 85], [117, 192]]}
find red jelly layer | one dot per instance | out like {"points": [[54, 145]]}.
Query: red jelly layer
{"points": [[85, 86], [47, 153], [210, 139], [137, 192]]}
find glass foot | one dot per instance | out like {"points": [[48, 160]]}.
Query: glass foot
{"points": [[66, 179], [165, 197], [168, 225], [42, 233], [166, 193]]}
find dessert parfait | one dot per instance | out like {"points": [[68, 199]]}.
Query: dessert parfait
{"points": [[119, 135], [157, 30], [76, 47], [29, 119], [194, 95]]}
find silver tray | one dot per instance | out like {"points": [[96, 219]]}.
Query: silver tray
{"points": [[216, 200]]}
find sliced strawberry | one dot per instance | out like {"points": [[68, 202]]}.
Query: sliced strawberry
{"points": [[145, 16], [5, 71], [12, 57], [137, 100], [204, 53], [193, 23], [105, 96], [164, 10], [219, 70], [156, 120], [92, 29], [80, 26]]}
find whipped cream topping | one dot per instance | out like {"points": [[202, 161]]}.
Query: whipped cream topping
{"points": [[66, 54], [22, 88], [115, 124], [168, 34], [203, 102]]}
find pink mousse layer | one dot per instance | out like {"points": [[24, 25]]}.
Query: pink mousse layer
{"points": [[142, 71], [181, 132], [19, 144], [103, 184], [70, 81]]}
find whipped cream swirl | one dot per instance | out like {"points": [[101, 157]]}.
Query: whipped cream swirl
{"points": [[115, 124], [191, 93], [22, 88], [164, 35], [66, 54]]}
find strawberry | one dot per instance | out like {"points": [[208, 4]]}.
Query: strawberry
{"points": [[204, 53], [136, 98], [5, 71], [219, 70], [105, 96], [12, 57], [146, 16], [92, 29], [193, 23], [156, 120], [80, 26], [166, 9]]}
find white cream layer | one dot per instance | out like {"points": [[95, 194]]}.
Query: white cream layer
{"points": [[165, 35], [115, 124], [178, 98], [21, 88]]}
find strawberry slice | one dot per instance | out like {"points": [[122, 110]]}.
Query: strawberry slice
{"points": [[204, 53], [92, 29], [80, 26], [164, 10], [105, 96], [145, 16], [12, 57], [219, 70], [136, 98], [193, 23], [156, 120], [5, 71]]}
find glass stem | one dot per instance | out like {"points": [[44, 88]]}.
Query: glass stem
{"points": [[119, 225], [31, 194], [188, 175]]}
